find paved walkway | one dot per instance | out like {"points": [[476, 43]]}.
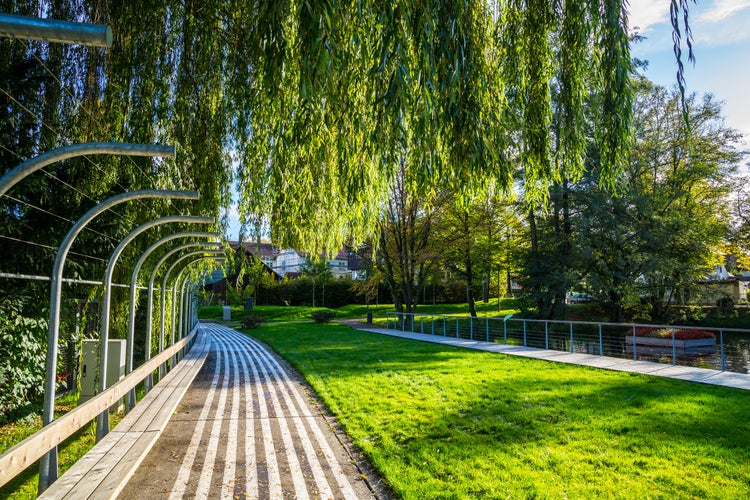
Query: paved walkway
{"points": [[248, 428], [702, 375]]}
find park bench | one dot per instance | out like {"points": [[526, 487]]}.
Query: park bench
{"points": [[107, 467]]}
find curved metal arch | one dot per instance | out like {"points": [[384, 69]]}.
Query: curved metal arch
{"points": [[48, 463], [18, 173], [102, 425], [130, 402], [165, 278]]}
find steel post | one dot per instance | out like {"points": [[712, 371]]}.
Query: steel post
{"points": [[54, 30], [187, 286], [572, 348], [183, 304]]}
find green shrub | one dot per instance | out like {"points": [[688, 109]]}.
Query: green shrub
{"points": [[253, 321], [725, 304], [323, 316], [22, 356]]}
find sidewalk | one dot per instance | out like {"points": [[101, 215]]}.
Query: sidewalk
{"points": [[248, 428], [701, 375]]}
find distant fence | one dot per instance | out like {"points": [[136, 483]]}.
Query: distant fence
{"points": [[730, 351]]}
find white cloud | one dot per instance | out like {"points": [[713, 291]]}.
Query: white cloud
{"points": [[644, 14], [722, 9], [721, 22], [725, 23]]}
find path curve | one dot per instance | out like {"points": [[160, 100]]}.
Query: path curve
{"points": [[248, 428]]}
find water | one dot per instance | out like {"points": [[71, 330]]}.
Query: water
{"points": [[605, 339]]}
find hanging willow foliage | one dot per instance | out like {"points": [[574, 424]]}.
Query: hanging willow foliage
{"points": [[311, 105]]}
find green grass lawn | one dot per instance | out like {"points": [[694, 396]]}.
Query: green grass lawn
{"points": [[355, 311], [294, 313], [441, 422], [24, 486]]}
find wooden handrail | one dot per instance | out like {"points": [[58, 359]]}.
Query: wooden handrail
{"points": [[31, 449]]}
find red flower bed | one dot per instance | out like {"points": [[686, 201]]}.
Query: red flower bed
{"points": [[666, 333]]}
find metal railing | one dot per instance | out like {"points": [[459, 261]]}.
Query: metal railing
{"points": [[729, 351], [19, 457]]}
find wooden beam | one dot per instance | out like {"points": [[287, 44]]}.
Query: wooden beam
{"points": [[31, 449]]}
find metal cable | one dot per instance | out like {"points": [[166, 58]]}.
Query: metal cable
{"points": [[60, 137], [47, 212], [53, 176], [79, 102], [50, 247], [71, 187]]}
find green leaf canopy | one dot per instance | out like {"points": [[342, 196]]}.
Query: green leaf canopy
{"points": [[310, 106]]}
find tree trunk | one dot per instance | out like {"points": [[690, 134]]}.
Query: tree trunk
{"points": [[508, 284], [470, 288]]}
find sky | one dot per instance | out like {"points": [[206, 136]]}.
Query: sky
{"points": [[721, 33]]}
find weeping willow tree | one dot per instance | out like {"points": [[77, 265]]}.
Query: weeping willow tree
{"points": [[339, 94], [311, 106]]}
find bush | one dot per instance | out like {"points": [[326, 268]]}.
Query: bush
{"points": [[253, 321], [22, 356], [725, 303], [323, 316], [666, 333]]}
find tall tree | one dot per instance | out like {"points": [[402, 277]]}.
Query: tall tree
{"points": [[460, 254], [738, 242], [656, 235], [316, 101], [407, 250], [316, 267], [472, 231]]}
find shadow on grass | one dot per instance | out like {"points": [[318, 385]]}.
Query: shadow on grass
{"points": [[441, 419]]}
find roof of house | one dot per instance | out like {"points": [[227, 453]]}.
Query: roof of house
{"points": [[215, 276], [257, 249]]}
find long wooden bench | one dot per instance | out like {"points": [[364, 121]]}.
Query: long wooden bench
{"points": [[107, 467]]}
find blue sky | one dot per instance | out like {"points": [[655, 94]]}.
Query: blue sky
{"points": [[721, 31]]}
